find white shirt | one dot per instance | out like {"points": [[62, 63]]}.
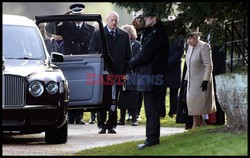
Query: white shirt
{"points": [[111, 30], [79, 24]]}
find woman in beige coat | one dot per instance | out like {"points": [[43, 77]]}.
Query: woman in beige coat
{"points": [[200, 91]]}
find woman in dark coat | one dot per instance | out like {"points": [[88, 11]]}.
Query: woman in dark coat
{"points": [[129, 97], [174, 72]]}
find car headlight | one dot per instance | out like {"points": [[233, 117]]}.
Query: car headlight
{"points": [[52, 87], [36, 88]]}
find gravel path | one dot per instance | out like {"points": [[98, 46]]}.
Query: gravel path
{"points": [[80, 137]]}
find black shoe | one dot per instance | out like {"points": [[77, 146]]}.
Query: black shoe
{"points": [[134, 123], [80, 122], [102, 131], [146, 144], [111, 130], [120, 123]]}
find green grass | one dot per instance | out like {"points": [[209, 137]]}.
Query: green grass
{"points": [[210, 140]]}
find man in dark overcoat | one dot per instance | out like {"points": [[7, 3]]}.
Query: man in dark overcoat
{"points": [[119, 48], [152, 61]]}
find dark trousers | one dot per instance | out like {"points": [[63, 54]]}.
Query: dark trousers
{"points": [[132, 112], [138, 109], [102, 121], [140, 103], [93, 115], [173, 100], [163, 101], [75, 115], [152, 110]]}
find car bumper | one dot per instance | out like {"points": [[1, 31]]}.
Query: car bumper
{"points": [[30, 118]]}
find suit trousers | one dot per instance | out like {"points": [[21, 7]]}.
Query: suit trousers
{"points": [[102, 121], [75, 115], [173, 100], [152, 110]]}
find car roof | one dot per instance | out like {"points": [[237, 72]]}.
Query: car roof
{"points": [[17, 20]]}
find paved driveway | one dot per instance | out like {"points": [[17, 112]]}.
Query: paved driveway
{"points": [[80, 137]]}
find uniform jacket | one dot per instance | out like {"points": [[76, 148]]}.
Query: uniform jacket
{"points": [[199, 68], [76, 40], [174, 63], [152, 59]]}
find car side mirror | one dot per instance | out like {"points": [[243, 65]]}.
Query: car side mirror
{"points": [[57, 57]]}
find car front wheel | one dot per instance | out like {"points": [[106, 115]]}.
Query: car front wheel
{"points": [[57, 136]]}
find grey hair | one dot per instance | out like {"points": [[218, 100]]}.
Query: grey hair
{"points": [[113, 12], [130, 29]]}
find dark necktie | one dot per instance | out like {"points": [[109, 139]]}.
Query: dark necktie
{"points": [[112, 33], [78, 27]]}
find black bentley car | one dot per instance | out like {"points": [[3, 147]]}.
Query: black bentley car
{"points": [[34, 90], [41, 84]]}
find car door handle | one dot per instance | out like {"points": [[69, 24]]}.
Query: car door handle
{"points": [[84, 62]]}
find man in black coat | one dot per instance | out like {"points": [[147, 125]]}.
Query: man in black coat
{"points": [[152, 61], [76, 35], [120, 51]]}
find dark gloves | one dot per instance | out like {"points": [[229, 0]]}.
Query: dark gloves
{"points": [[204, 85]]}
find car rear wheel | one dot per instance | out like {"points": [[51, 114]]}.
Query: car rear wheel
{"points": [[57, 136]]}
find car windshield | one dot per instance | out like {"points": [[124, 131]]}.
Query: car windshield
{"points": [[22, 42]]}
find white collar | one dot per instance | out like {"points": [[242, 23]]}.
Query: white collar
{"points": [[79, 24], [110, 29]]}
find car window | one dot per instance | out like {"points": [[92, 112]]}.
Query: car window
{"points": [[22, 42], [71, 37]]}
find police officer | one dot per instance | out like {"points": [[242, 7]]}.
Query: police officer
{"points": [[76, 37]]}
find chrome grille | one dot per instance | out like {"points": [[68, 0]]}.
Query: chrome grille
{"points": [[14, 91]]}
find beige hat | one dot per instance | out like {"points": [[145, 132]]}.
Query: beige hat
{"points": [[194, 32]]}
